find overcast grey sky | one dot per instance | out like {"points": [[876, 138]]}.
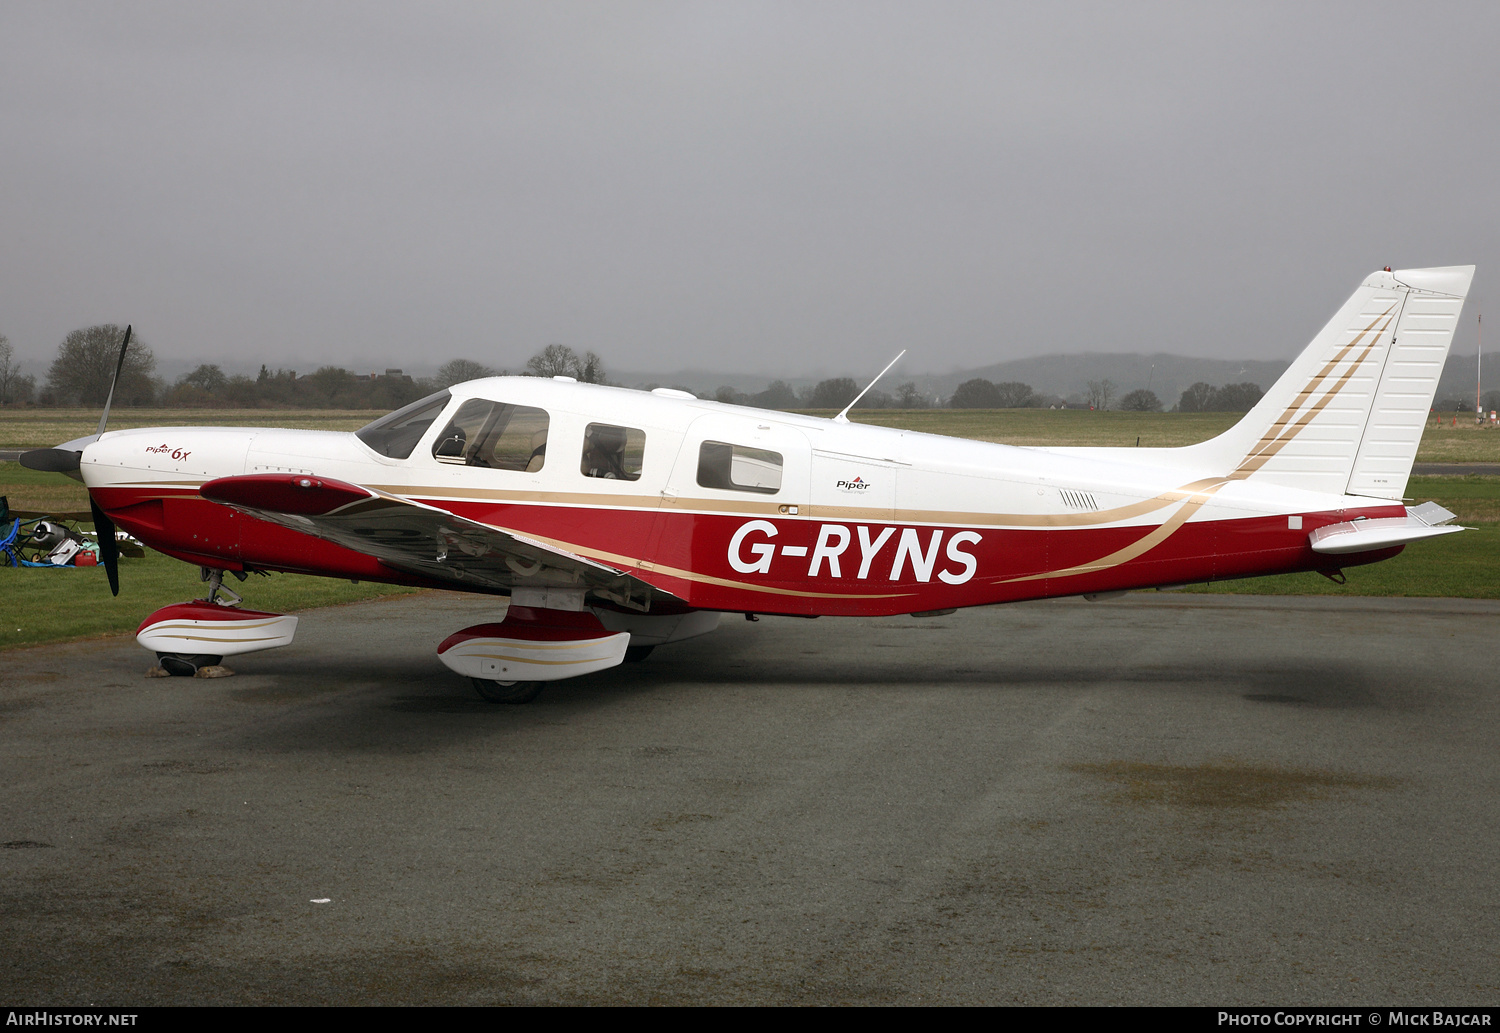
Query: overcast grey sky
{"points": [[796, 188]]}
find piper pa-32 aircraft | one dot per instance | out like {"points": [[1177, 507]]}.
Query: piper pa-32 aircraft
{"points": [[618, 520]]}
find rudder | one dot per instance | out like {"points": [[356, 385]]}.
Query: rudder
{"points": [[1348, 414]]}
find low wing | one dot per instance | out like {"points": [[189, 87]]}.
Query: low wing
{"points": [[417, 538]]}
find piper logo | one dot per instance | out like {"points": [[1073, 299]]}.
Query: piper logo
{"points": [[858, 484]]}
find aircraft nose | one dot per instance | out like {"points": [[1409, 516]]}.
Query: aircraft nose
{"points": [[65, 458]]}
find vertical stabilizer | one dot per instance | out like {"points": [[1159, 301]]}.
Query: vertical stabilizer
{"points": [[1348, 414]]}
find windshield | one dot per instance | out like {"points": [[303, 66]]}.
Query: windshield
{"points": [[396, 434]]}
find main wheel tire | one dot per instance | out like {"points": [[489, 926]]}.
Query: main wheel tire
{"points": [[635, 654], [507, 691], [185, 665]]}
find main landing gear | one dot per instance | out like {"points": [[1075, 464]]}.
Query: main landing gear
{"points": [[507, 691], [511, 662], [547, 636], [191, 639]]}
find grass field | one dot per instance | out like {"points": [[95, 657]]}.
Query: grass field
{"points": [[56, 605], [39, 428], [66, 603], [1443, 441]]}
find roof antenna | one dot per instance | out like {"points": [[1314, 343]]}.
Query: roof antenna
{"points": [[843, 417]]}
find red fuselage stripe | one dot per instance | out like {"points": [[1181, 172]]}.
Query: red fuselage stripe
{"points": [[806, 566]]}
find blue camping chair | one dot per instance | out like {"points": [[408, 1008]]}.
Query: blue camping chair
{"points": [[8, 544]]}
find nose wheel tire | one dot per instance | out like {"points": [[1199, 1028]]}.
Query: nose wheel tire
{"points": [[185, 665], [635, 654], [507, 691]]}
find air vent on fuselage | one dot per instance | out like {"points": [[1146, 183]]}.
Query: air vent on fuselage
{"points": [[1077, 499]]}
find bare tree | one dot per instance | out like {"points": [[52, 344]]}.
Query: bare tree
{"points": [[14, 387], [329, 381], [1141, 400], [590, 369], [1236, 397], [1100, 393], [85, 367], [908, 397], [555, 360], [1015, 395], [8, 368], [207, 377], [978, 393], [558, 360], [456, 371], [777, 395], [834, 393], [1198, 398]]}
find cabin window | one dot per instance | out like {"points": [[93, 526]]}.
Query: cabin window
{"points": [[613, 452], [494, 435], [737, 468], [395, 434]]}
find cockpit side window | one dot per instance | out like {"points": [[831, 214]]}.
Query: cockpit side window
{"points": [[395, 434], [494, 435], [613, 452], [739, 468]]}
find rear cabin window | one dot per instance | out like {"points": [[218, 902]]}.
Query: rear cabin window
{"points": [[395, 434], [737, 468], [613, 452], [494, 435]]}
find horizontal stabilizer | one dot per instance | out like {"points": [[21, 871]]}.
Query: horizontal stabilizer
{"points": [[1425, 521]]}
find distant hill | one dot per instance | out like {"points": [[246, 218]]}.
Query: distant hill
{"points": [[1068, 375], [1061, 375], [1167, 375]]}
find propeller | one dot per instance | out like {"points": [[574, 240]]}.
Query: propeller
{"points": [[67, 458], [109, 399], [109, 547]]}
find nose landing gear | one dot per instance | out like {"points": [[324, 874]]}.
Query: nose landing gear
{"points": [[190, 640]]}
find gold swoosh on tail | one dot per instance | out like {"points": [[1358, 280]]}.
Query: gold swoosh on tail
{"points": [[1281, 433]]}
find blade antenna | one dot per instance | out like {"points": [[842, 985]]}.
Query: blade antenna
{"points": [[104, 416], [843, 417]]}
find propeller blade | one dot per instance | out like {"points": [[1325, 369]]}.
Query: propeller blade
{"points": [[119, 365], [51, 460], [109, 549]]}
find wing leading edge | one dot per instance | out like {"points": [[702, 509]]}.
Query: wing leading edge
{"points": [[416, 538]]}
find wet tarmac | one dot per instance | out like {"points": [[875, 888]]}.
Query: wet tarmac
{"points": [[1456, 469], [1159, 799]]}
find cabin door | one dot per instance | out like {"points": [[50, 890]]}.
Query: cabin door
{"points": [[728, 469]]}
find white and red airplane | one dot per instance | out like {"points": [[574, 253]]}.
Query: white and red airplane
{"points": [[617, 520]]}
